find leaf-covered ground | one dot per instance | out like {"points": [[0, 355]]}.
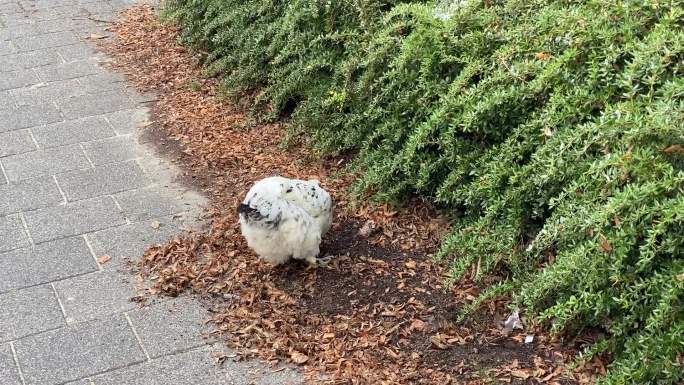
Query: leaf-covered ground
{"points": [[378, 314]]}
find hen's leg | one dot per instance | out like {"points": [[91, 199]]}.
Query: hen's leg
{"points": [[323, 261], [312, 261]]}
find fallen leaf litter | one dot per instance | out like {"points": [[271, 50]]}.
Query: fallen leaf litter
{"points": [[377, 314]]}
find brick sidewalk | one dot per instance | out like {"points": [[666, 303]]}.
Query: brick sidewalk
{"points": [[75, 185]]}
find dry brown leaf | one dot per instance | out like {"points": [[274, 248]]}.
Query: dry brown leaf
{"points": [[617, 221], [439, 342], [299, 358], [520, 373], [368, 229], [417, 325], [606, 246], [543, 55], [673, 149], [104, 259], [555, 373]]}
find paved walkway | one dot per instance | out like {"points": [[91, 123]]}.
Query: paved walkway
{"points": [[76, 185]]}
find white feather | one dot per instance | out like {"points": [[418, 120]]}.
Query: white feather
{"points": [[286, 218]]}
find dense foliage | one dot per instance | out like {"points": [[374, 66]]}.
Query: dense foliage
{"points": [[552, 130]]}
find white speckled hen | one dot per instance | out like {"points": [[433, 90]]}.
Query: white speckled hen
{"points": [[285, 218]]}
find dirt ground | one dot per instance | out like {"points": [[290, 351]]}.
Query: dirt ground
{"points": [[378, 313]]}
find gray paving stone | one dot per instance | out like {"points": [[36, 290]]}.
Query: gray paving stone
{"points": [[29, 311], [130, 241], [145, 204], [29, 194], [11, 20], [36, 4], [42, 27], [14, 32], [118, 4], [66, 11], [171, 326], [25, 18], [7, 48], [102, 180], [17, 79], [9, 374], [96, 295], [16, 142], [112, 150], [72, 131], [195, 367], [45, 263], [10, 7], [85, 381], [65, 71], [88, 105], [102, 82], [6, 100], [141, 98], [73, 219], [257, 373], [75, 52], [28, 60], [44, 162], [77, 351], [47, 92], [34, 28], [48, 40], [12, 233], [28, 116], [128, 121], [87, 26], [97, 7]]}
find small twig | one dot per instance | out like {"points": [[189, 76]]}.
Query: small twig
{"points": [[92, 19]]}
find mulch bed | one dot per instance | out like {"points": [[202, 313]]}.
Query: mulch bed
{"points": [[379, 313]]}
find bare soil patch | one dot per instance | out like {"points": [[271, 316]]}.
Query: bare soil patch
{"points": [[379, 313]]}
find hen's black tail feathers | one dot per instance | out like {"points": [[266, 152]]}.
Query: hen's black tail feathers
{"points": [[249, 212], [255, 216]]}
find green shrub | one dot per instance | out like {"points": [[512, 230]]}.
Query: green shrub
{"points": [[551, 131], [286, 50]]}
